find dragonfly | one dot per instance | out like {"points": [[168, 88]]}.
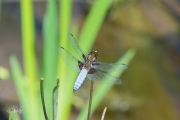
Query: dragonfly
{"points": [[88, 66]]}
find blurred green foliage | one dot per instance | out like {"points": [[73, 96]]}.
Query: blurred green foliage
{"points": [[4, 73], [152, 27], [27, 82]]}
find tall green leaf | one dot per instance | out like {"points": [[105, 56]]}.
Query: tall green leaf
{"points": [[65, 91], [28, 39], [19, 84], [50, 45]]}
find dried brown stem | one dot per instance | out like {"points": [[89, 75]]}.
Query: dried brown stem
{"points": [[90, 101], [104, 112]]}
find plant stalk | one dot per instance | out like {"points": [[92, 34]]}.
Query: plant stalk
{"points": [[90, 100]]}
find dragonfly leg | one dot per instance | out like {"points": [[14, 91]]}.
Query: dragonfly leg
{"points": [[92, 71], [84, 57], [80, 64]]}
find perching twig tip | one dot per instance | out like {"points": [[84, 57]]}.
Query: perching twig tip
{"points": [[104, 112]]}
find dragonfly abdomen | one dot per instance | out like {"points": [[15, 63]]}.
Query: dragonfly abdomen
{"points": [[80, 79]]}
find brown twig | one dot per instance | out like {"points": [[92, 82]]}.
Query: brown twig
{"points": [[103, 114], [42, 98], [90, 100]]}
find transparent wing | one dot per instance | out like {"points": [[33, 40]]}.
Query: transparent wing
{"points": [[104, 78], [69, 59], [109, 67], [76, 47]]}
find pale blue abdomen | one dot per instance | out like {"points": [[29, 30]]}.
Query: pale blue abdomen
{"points": [[80, 79]]}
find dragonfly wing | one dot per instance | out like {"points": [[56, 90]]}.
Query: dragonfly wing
{"points": [[99, 76], [69, 59], [109, 67], [76, 47]]}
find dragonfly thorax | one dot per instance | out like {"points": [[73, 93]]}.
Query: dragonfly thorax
{"points": [[93, 56]]}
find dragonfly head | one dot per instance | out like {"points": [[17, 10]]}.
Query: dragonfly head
{"points": [[93, 55]]}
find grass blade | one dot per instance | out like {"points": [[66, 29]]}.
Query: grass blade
{"points": [[29, 59], [65, 90], [19, 84], [95, 18], [50, 45], [55, 99], [13, 115], [42, 98]]}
